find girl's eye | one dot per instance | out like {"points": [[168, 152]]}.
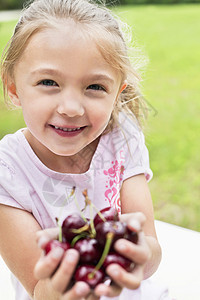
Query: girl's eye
{"points": [[48, 82], [96, 87]]}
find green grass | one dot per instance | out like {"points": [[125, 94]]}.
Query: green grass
{"points": [[170, 37], [10, 120]]}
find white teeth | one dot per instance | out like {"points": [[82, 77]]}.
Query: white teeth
{"points": [[68, 129]]}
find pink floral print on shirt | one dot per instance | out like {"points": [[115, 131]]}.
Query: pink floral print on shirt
{"points": [[113, 183]]}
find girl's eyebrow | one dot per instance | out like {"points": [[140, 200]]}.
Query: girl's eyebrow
{"points": [[103, 77], [54, 72], [47, 71]]}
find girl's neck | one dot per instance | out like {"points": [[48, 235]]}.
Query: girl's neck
{"points": [[75, 164]]}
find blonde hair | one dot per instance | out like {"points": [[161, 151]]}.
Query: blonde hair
{"points": [[103, 27]]}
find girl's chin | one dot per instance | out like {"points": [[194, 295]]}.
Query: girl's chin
{"points": [[66, 153]]}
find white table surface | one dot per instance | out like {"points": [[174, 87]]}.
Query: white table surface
{"points": [[180, 265]]}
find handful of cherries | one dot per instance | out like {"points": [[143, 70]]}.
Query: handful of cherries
{"points": [[94, 240]]}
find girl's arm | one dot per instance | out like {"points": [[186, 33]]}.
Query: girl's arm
{"points": [[20, 251], [136, 197], [18, 246]]}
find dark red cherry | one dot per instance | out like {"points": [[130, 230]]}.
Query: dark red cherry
{"points": [[88, 274], [116, 258], [74, 221], [89, 250], [118, 229], [132, 236], [108, 213], [55, 243]]}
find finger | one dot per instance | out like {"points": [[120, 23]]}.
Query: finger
{"points": [[46, 235], [92, 296], [50, 232], [135, 221], [139, 253], [111, 290], [125, 279], [63, 275], [79, 291], [47, 264]]}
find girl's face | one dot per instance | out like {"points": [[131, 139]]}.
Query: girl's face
{"points": [[66, 89]]}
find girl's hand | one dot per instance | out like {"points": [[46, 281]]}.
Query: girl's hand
{"points": [[139, 254], [60, 277]]}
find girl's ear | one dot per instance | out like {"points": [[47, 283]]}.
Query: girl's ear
{"points": [[12, 93], [124, 85]]}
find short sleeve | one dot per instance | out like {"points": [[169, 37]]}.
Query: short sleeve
{"points": [[12, 192], [136, 155]]}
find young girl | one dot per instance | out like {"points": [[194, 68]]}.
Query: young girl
{"points": [[67, 66]]}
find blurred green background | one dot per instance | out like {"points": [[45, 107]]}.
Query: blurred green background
{"points": [[169, 35], [18, 4]]}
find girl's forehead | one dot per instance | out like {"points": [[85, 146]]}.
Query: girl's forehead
{"points": [[60, 42], [66, 36], [65, 48], [65, 33]]}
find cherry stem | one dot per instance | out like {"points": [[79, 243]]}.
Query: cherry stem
{"points": [[91, 275], [66, 200], [60, 230], [81, 229], [87, 200], [92, 221], [77, 205], [60, 234], [109, 239], [100, 214], [77, 238], [61, 210]]}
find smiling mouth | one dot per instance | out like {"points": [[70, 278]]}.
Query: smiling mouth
{"points": [[68, 129]]}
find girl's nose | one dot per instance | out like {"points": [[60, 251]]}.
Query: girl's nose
{"points": [[71, 105]]}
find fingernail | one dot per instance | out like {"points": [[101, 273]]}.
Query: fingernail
{"points": [[57, 252], [121, 246], [42, 241], [135, 225], [71, 255], [82, 289], [113, 270], [101, 290]]}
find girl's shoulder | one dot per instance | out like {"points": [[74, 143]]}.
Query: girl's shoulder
{"points": [[9, 141], [14, 189], [125, 148], [9, 148]]}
